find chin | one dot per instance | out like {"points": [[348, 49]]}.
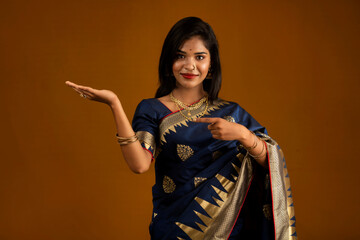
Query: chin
{"points": [[189, 84]]}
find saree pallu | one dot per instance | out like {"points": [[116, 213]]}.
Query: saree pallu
{"points": [[212, 189]]}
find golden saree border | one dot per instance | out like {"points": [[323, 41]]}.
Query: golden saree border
{"points": [[176, 119], [222, 217], [147, 139], [282, 201]]}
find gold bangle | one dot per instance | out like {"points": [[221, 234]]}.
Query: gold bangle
{"points": [[261, 154], [255, 143], [126, 140]]}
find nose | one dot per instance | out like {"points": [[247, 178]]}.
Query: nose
{"points": [[190, 64]]}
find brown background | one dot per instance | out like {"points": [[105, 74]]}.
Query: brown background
{"points": [[294, 65]]}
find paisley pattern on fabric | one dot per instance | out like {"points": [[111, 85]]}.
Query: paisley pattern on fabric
{"points": [[168, 184], [184, 152]]}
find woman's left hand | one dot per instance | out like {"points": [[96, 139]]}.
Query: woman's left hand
{"points": [[225, 130]]}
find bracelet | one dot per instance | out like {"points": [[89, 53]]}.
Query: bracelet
{"points": [[126, 140], [255, 143], [261, 154]]}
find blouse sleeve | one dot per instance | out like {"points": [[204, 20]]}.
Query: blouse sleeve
{"points": [[145, 126], [244, 118]]}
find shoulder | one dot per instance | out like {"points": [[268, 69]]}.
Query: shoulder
{"points": [[148, 102], [228, 104], [231, 110], [145, 105], [151, 107]]}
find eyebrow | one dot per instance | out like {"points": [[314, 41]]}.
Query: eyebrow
{"points": [[195, 53]]}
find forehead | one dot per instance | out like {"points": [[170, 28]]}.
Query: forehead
{"points": [[194, 44]]}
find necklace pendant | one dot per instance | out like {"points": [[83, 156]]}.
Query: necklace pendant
{"points": [[189, 114]]}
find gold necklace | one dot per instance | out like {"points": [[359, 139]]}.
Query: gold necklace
{"points": [[190, 118], [188, 107], [180, 104]]}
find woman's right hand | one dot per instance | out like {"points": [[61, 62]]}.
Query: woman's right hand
{"points": [[137, 158], [105, 96]]}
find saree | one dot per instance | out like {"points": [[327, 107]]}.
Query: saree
{"points": [[207, 188]]}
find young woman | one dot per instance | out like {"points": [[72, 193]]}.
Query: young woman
{"points": [[218, 174]]}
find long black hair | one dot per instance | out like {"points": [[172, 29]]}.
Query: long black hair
{"points": [[183, 30]]}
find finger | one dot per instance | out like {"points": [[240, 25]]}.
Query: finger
{"points": [[85, 88], [79, 91], [90, 90], [213, 126], [215, 132], [76, 90], [206, 120], [91, 93], [88, 94], [216, 136], [80, 87], [70, 84], [73, 85], [83, 93]]}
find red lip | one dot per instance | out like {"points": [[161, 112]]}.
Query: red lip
{"points": [[189, 75]]}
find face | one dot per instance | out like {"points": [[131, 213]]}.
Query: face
{"points": [[192, 64]]}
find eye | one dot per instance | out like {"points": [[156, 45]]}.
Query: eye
{"points": [[200, 57], [180, 56]]}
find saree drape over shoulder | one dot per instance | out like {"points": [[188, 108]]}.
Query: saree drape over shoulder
{"points": [[212, 189]]}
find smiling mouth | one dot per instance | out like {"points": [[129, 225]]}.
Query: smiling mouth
{"points": [[188, 75]]}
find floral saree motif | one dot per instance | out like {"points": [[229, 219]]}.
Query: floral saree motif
{"points": [[211, 189]]}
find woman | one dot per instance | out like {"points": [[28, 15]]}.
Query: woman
{"points": [[218, 174]]}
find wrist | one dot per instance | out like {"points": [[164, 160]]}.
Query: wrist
{"points": [[246, 137], [114, 103]]}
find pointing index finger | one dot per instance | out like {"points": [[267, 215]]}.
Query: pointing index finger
{"points": [[206, 120]]}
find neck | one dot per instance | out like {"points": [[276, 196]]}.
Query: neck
{"points": [[188, 96]]}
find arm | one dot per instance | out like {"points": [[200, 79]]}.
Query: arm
{"points": [[137, 158], [135, 155], [253, 144]]}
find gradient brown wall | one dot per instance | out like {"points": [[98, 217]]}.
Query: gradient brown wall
{"points": [[294, 65]]}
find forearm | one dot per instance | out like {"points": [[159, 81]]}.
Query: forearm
{"points": [[137, 158], [255, 146]]}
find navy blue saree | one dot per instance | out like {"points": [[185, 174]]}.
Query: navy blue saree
{"points": [[211, 189]]}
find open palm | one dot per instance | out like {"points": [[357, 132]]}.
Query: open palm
{"points": [[104, 96]]}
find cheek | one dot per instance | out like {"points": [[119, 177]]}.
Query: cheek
{"points": [[204, 67], [176, 67]]}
